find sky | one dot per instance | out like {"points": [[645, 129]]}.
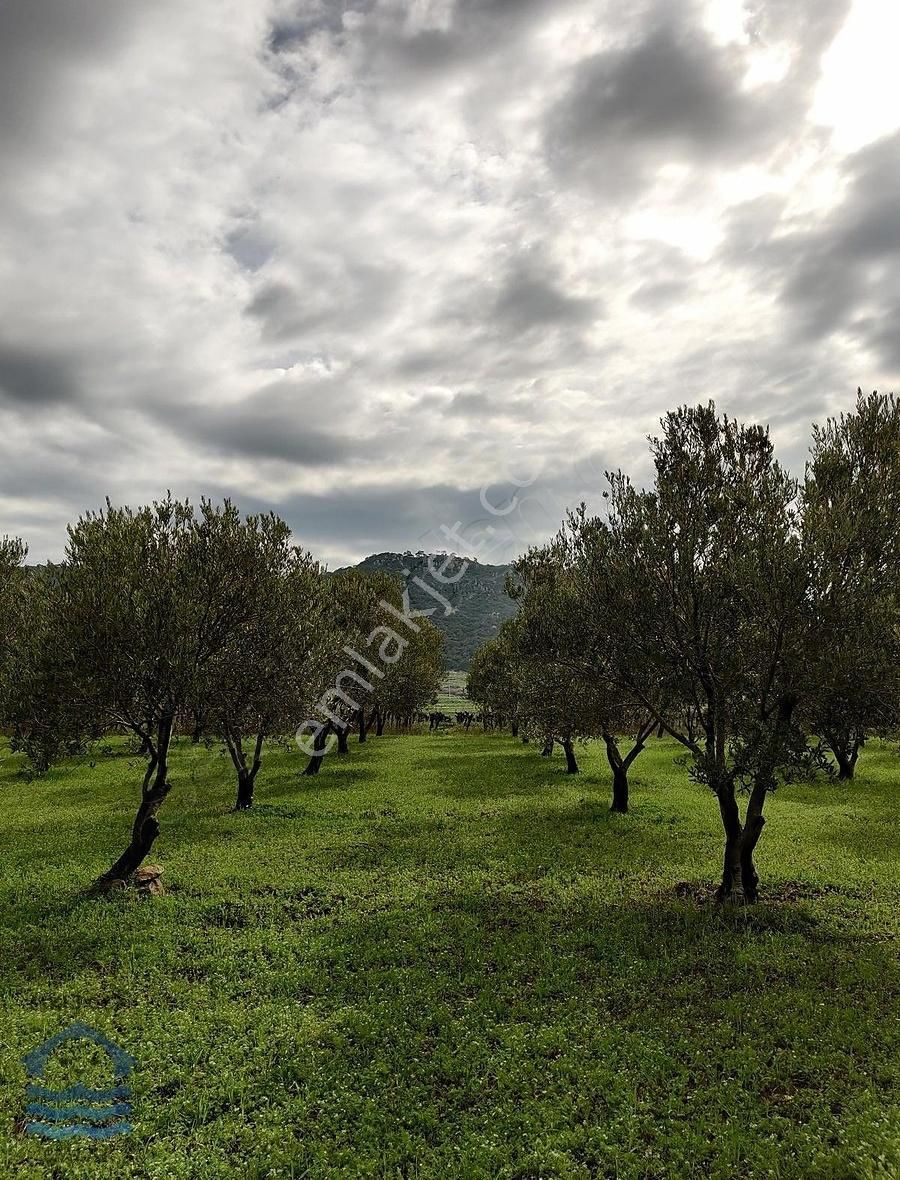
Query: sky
{"points": [[409, 271]]}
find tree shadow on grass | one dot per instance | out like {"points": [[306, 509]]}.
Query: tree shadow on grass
{"points": [[876, 843], [464, 777]]}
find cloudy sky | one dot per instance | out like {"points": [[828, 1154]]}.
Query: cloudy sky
{"points": [[373, 262]]}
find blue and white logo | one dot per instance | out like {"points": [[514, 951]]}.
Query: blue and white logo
{"points": [[78, 1110]]}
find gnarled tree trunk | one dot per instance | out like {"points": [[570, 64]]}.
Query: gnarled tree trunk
{"points": [[846, 751], [246, 775], [154, 790], [571, 764], [740, 880], [620, 764], [342, 746], [319, 743], [620, 774], [619, 791]]}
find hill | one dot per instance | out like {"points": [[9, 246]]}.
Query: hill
{"points": [[479, 599]]}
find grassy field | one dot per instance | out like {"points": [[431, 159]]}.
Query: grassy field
{"points": [[451, 696], [444, 958]]}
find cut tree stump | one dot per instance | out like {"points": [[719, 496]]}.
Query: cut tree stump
{"points": [[146, 879]]}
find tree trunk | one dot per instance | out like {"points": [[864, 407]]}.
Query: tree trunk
{"points": [[620, 790], [732, 886], [197, 732], [319, 743], [343, 747], [244, 799], [619, 773], [362, 725], [846, 754], [154, 790], [514, 728], [548, 748], [379, 724], [620, 766], [740, 880], [571, 764], [246, 775]]}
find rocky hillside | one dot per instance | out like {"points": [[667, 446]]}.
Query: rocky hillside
{"points": [[480, 602]]}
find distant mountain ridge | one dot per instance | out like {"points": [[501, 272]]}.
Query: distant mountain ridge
{"points": [[479, 599]]}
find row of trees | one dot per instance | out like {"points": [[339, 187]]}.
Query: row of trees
{"points": [[169, 618], [753, 617]]}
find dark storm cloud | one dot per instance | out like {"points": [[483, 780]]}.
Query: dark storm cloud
{"points": [[342, 292], [286, 422], [42, 43], [275, 305], [674, 95], [78, 476], [532, 296], [32, 377], [881, 332], [372, 517], [477, 406], [520, 308], [828, 273], [249, 246], [244, 435]]}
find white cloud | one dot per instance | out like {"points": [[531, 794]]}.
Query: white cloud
{"points": [[858, 96], [345, 258]]}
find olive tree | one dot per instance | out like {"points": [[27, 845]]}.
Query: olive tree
{"points": [[851, 510], [496, 676], [566, 633], [148, 600], [376, 664], [12, 606], [705, 593], [350, 612], [410, 683], [46, 709], [263, 677]]}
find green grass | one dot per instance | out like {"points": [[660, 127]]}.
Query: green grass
{"points": [[452, 704], [451, 696], [444, 958]]}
